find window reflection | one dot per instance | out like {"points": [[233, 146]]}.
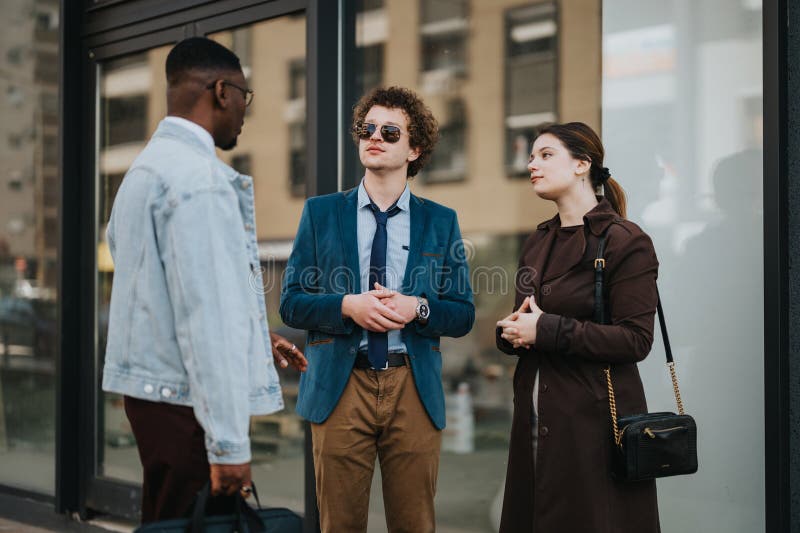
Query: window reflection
{"points": [[531, 67], [683, 133], [29, 233], [271, 150], [130, 105], [491, 71]]}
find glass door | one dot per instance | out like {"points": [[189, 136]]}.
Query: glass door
{"points": [[130, 103]]}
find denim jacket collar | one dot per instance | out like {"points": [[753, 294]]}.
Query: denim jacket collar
{"points": [[169, 130]]}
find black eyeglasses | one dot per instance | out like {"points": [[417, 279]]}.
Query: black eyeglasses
{"points": [[247, 94], [390, 134]]}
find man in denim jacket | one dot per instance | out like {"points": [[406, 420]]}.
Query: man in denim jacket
{"points": [[188, 343]]}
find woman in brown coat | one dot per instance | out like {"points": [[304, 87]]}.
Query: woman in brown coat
{"points": [[558, 478]]}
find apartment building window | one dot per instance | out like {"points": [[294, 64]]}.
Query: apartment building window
{"points": [[531, 78], [297, 159], [297, 79], [130, 116], [443, 31], [369, 73], [449, 160], [295, 115]]}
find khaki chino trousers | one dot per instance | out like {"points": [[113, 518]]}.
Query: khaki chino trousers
{"points": [[379, 415]]}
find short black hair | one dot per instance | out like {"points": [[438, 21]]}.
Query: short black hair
{"points": [[199, 53]]}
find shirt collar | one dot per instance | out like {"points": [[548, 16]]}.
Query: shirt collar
{"points": [[199, 131], [364, 199]]}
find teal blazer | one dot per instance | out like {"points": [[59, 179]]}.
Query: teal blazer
{"points": [[323, 268]]}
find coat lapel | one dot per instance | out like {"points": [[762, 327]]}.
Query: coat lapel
{"points": [[571, 252], [419, 222], [349, 240], [566, 256], [529, 282]]}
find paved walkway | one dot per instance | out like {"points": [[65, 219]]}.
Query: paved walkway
{"points": [[16, 527]]}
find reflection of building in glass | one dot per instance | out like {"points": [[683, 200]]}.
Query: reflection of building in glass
{"points": [[491, 71], [29, 143], [29, 235], [531, 66]]}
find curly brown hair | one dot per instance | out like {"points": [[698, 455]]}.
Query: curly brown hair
{"points": [[423, 129]]}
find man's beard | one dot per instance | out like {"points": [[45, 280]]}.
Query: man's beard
{"points": [[230, 145]]}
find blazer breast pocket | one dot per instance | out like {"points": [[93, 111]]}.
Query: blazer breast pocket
{"points": [[432, 261]]}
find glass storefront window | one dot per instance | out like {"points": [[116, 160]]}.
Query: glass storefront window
{"points": [[683, 132], [131, 105], [272, 144], [29, 233], [491, 71], [683, 136]]}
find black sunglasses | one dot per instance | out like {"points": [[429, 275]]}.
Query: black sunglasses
{"points": [[247, 94], [390, 134]]}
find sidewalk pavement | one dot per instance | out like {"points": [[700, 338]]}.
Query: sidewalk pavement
{"points": [[18, 527]]}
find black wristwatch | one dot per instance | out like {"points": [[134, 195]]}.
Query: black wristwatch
{"points": [[423, 311]]}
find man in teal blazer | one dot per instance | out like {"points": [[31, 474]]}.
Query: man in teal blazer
{"points": [[377, 276]]}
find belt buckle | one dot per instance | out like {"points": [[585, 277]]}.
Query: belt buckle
{"points": [[385, 366]]}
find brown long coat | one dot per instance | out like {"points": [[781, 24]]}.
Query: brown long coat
{"points": [[569, 489]]}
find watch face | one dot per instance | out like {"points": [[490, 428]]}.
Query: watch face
{"points": [[424, 311]]}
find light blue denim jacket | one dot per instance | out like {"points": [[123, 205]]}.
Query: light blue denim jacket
{"points": [[187, 323]]}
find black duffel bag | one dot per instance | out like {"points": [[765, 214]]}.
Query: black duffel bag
{"points": [[245, 519]]}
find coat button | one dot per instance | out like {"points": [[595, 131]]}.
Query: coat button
{"points": [[248, 227], [543, 431], [546, 290], [245, 184], [543, 387], [166, 393], [148, 389]]}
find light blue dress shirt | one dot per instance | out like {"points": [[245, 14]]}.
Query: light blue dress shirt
{"points": [[398, 232]]}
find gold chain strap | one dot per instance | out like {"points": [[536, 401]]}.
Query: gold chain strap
{"points": [[612, 406], [612, 401], [675, 387]]}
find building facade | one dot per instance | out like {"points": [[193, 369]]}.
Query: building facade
{"points": [[695, 106]]}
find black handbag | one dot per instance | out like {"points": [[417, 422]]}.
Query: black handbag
{"points": [[647, 445], [244, 520]]}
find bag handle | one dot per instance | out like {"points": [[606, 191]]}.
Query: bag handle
{"points": [[600, 318], [246, 518]]}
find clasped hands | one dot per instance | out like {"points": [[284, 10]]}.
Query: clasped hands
{"points": [[519, 328], [380, 309]]}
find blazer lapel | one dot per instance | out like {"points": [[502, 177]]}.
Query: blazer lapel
{"points": [[419, 222], [349, 237]]}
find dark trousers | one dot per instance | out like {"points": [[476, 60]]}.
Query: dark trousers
{"points": [[173, 454]]}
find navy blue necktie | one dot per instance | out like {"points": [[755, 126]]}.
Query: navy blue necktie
{"points": [[378, 343]]}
